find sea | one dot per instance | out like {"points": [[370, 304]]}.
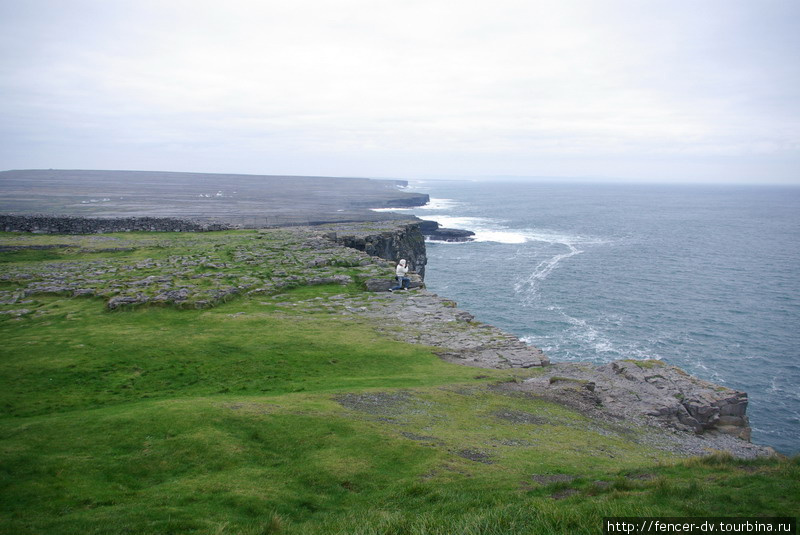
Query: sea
{"points": [[703, 277]]}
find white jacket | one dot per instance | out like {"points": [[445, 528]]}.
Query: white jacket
{"points": [[401, 270]]}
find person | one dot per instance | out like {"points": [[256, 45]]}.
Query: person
{"points": [[400, 271]]}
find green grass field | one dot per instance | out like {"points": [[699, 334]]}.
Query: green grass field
{"points": [[258, 417]]}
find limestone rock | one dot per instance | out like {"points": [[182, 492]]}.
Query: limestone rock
{"points": [[384, 284], [657, 391], [451, 235]]}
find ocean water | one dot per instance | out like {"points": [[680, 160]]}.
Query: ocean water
{"points": [[703, 277]]}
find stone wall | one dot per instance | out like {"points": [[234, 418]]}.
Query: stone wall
{"points": [[44, 224]]}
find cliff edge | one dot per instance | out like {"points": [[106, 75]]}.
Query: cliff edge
{"points": [[229, 200]]}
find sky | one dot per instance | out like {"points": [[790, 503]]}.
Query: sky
{"points": [[644, 90]]}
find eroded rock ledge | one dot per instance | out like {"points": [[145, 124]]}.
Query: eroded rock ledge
{"points": [[649, 393], [650, 389], [421, 317]]}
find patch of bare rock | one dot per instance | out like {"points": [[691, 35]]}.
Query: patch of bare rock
{"points": [[678, 412], [422, 317]]}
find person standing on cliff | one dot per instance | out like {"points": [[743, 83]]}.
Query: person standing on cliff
{"points": [[400, 271]]}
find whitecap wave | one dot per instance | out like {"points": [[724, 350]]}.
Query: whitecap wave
{"points": [[557, 248], [529, 285], [583, 339], [590, 336], [433, 204], [390, 209], [494, 230], [440, 204], [485, 229]]}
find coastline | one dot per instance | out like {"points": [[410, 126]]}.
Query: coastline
{"points": [[667, 408], [686, 415], [705, 416]]}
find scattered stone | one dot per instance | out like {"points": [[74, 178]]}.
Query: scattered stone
{"points": [[475, 455], [173, 296], [83, 292], [16, 313]]}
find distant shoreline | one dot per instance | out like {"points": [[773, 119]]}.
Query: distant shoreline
{"points": [[231, 200]]}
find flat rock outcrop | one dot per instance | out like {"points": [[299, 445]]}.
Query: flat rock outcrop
{"points": [[214, 268], [421, 317], [432, 231], [653, 393]]}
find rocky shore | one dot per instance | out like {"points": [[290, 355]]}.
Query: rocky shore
{"points": [[672, 409]]}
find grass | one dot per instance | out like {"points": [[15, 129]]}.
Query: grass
{"points": [[269, 414], [76, 356]]}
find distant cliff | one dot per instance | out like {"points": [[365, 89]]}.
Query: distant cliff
{"points": [[245, 201]]}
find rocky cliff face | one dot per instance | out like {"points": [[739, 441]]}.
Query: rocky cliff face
{"points": [[390, 241]]}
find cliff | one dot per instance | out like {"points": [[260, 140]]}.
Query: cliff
{"points": [[648, 393], [245, 201], [391, 241]]}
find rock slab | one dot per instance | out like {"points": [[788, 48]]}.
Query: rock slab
{"points": [[652, 390]]}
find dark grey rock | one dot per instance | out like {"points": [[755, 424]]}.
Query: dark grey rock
{"points": [[450, 235], [654, 390], [173, 296]]}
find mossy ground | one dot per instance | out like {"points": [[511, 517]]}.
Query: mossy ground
{"points": [[258, 416]]}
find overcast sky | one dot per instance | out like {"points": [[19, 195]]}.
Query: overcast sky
{"points": [[647, 90]]}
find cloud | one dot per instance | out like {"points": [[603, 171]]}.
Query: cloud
{"points": [[255, 85]]}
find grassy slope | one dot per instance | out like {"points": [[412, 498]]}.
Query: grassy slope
{"points": [[258, 417]]}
